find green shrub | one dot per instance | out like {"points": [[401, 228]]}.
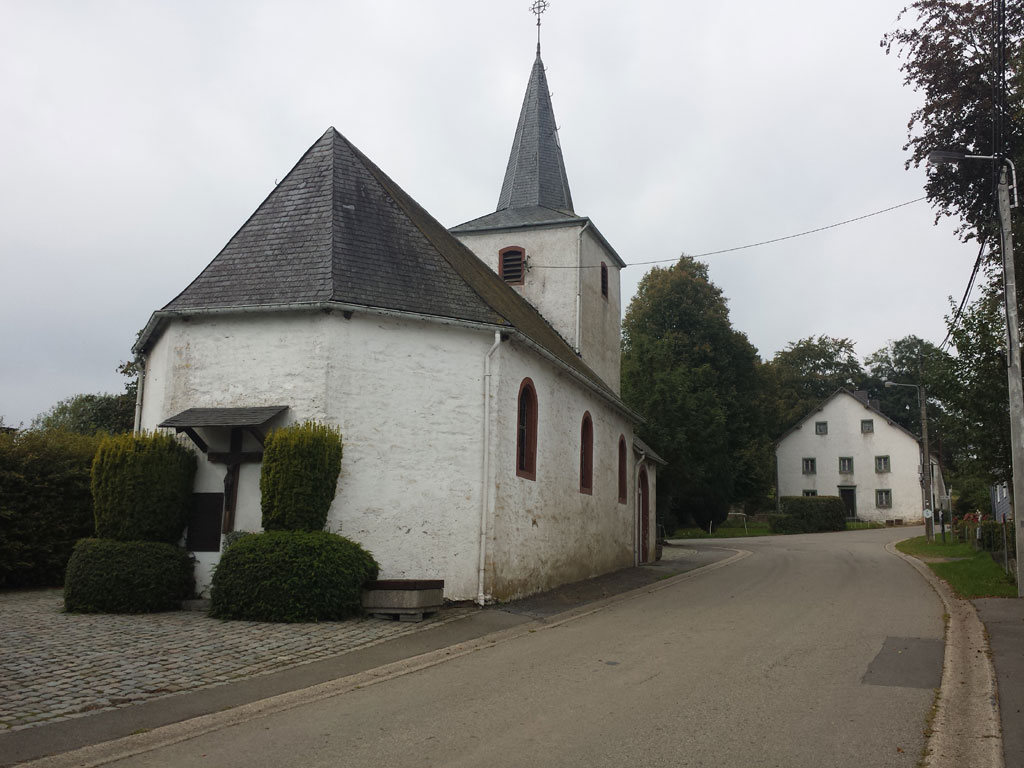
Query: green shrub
{"points": [[299, 476], [291, 576], [142, 488], [107, 576], [45, 504], [809, 514]]}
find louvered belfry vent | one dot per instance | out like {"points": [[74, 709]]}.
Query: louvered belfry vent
{"points": [[512, 266]]}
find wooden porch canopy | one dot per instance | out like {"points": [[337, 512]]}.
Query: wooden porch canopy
{"points": [[238, 420]]}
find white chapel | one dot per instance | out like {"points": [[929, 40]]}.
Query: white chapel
{"points": [[473, 372]]}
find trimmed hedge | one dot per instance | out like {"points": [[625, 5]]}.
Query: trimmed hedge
{"points": [[142, 488], [45, 504], [809, 514], [291, 576], [106, 576], [299, 476]]}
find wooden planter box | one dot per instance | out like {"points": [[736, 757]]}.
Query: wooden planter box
{"points": [[403, 599]]}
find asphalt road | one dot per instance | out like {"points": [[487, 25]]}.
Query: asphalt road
{"points": [[812, 651]]}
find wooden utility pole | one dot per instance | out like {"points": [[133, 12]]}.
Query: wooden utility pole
{"points": [[1013, 373]]}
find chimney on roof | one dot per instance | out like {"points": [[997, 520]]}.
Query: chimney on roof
{"points": [[862, 395]]}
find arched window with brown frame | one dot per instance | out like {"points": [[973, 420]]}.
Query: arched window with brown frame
{"points": [[587, 454], [526, 431], [623, 490]]}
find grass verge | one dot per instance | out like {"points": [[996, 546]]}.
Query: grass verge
{"points": [[973, 574]]}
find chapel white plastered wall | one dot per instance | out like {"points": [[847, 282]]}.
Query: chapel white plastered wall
{"points": [[545, 532], [406, 394]]}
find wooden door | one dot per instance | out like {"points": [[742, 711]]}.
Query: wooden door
{"points": [[645, 516]]}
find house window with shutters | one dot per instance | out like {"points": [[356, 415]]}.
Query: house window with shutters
{"points": [[512, 265], [587, 454], [526, 431]]}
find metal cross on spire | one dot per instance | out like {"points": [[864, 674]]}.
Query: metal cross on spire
{"points": [[538, 7]]}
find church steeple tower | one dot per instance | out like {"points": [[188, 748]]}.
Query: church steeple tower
{"points": [[535, 175], [556, 259]]}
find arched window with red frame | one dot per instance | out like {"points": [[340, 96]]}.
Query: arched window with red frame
{"points": [[623, 490], [587, 454], [526, 431]]}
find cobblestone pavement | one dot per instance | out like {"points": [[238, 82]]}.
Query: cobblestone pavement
{"points": [[55, 665]]}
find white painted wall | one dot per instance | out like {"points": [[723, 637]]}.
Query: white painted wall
{"points": [[553, 291], [844, 414], [407, 395], [601, 328], [544, 532]]}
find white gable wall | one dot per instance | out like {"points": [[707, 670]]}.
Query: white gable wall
{"points": [[406, 394], [843, 414]]}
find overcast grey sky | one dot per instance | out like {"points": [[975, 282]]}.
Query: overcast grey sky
{"points": [[136, 137]]}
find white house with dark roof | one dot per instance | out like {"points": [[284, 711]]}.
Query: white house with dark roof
{"points": [[847, 447], [485, 442]]}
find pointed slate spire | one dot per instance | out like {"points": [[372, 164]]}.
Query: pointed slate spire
{"points": [[535, 175]]}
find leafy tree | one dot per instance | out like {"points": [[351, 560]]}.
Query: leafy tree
{"points": [[805, 373], [910, 360], [696, 381], [88, 414], [974, 389], [970, 70], [949, 51]]}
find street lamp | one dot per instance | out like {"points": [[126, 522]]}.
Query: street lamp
{"points": [[1013, 371], [926, 459]]}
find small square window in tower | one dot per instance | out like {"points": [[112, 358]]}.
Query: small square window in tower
{"points": [[512, 265]]}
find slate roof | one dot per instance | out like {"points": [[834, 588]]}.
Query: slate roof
{"points": [[535, 191], [337, 231], [508, 218], [331, 232], [535, 174], [223, 417], [641, 447]]}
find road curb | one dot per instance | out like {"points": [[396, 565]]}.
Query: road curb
{"points": [[164, 736], [966, 729]]}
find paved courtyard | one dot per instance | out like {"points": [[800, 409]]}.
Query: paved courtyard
{"points": [[55, 666]]}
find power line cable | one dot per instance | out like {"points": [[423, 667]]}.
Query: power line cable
{"points": [[963, 301], [742, 247]]}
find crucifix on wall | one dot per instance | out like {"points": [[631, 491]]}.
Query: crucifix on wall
{"points": [[240, 421]]}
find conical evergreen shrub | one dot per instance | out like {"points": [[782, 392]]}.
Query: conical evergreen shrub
{"points": [[299, 476]]}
